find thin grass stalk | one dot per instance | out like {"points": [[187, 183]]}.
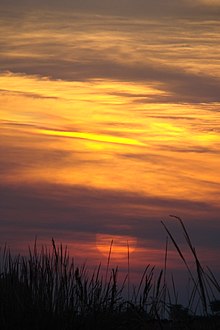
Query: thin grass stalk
{"points": [[128, 255], [174, 290], [192, 297], [137, 294], [113, 289], [165, 277], [178, 250], [145, 298], [108, 261], [198, 265]]}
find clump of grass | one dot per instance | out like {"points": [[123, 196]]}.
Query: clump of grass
{"points": [[46, 289]]}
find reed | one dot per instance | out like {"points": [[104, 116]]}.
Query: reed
{"points": [[46, 289]]}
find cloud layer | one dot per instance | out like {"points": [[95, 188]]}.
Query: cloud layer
{"points": [[125, 51], [109, 122], [139, 8]]}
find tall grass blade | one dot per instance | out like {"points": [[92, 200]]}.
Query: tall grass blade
{"points": [[198, 265]]}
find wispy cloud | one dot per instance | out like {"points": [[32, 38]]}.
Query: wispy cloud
{"points": [[26, 94], [175, 64]]}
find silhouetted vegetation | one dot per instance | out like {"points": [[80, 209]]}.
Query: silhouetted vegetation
{"points": [[46, 290]]}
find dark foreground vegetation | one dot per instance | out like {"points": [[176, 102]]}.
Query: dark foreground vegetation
{"points": [[46, 290]]}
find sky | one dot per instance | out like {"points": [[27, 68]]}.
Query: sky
{"points": [[110, 122]]}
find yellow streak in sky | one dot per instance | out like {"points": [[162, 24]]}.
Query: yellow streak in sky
{"points": [[91, 136]]}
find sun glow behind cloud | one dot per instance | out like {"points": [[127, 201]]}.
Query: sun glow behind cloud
{"points": [[105, 124]]}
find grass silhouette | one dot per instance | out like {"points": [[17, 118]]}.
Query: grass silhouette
{"points": [[47, 290]]}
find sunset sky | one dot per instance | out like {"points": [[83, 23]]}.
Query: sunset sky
{"points": [[110, 122]]}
